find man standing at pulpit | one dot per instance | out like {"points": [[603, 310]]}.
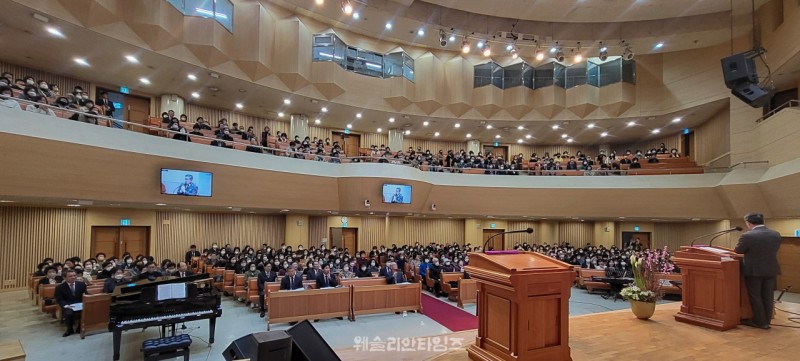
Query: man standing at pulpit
{"points": [[760, 267]]}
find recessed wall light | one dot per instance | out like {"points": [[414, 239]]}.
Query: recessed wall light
{"points": [[144, 81], [192, 77], [131, 59], [239, 105], [81, 61], [287, 101]]}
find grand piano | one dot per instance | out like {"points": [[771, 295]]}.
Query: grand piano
{"points": [[142, 305]]}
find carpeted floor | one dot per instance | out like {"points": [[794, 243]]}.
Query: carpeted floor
{"points": [[454, 318]]}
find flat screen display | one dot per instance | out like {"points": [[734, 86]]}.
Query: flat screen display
{"points": [[186, 182], [396, 193]]}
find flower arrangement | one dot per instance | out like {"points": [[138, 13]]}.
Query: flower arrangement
{"points": [[645, 266]]}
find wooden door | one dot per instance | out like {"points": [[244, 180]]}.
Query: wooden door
{"points": [[105, 240], [629, 237], [789, 260], [135, 240], [497, 243], [501, 151], [350, 239], [350, 143], [137, 110]]}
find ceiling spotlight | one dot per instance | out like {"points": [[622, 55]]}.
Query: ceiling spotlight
{"points": [[590, 125], [425, 123], [442, 38], [604, 134], [239, 105], [55, 32], [131, 59], [519, 127], [489, 126], [287, 101], [358, 115], [457, 125], [539, 55], [469, 135], [144, 81], [560, 57], [555, 126], [578, 55], [192, 77], [659, 45], [631, 123], [465, 46], [480, 44], [627, 54], [520, 141], [380, 130], [554, 48], [324, 109], [603, 52], [514, 54], [570, 140], [564, 135], [497, 136], [528, 136], [388, 26], [408, 132], [349, 126], [391, 120], [195, 95], [487, 52], [317, 121], [81, 61], [347, 7], [452, 37], [656, 131], [436, 134], [356, 15], [676, 120], [421, 32], [509, 47], [281, 114], [320, 2]]}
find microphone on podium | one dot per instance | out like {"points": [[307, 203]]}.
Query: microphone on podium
{"points": [[717, 234], [529, 230], [734, 229]]}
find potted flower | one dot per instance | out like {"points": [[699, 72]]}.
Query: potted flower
{"points": [[646, 287]]}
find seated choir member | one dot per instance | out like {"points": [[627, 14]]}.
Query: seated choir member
{"points": [[67, 294]]}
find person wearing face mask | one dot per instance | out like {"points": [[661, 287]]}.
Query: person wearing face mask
{"points": [[373, 267], [150, 272], [6, 98], [29, 81], [435, 273], [251, 271], [448, 266], [266, 274], [86, 107], [106, 105], [30, 94], [117, 279], [44, 89], [363, 272], [52, 277]]}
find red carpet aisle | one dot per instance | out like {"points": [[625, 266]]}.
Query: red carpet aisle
{"points": [[447, 315]]}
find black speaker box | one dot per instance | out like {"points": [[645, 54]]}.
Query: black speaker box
{"points": [[752, 94], [261, 346], [739, 68], [308, 345]]}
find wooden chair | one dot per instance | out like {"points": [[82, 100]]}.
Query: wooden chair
{"points": [[239, 291], [95, 314], [252, 291], [227, 281], [447, 277], [429, 282], [48, 292], [218, 273]]}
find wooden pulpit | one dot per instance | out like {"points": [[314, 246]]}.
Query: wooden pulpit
{"points": [[714, 293], [523, 306]]}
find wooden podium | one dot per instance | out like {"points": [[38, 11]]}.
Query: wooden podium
{"points": [[714, 293], [523, 306]]}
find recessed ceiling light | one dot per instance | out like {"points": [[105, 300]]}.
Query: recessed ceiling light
{"points": [[391, 120], [487, 52], [356, 15], [73, 205], [281, 114], [489, 126], [144, 80], [388, 26], [436, 134], [480, 44], [520, 127], [457, 125], [656, 131], [6, 201], [555, 126], [497, 136], [520, 140], [528, 136], [553, 49], [590, 125], [319, 2], [349, 126], [509, 47], [425, 123], [421, 32], [676, 120], [659, 45], [347, 7], [324, 109], [161, 204], [131, 59], [358, 115], [570, 140], [81, 61], [564, 135], [317, 121], [452, 38], [239, 105], [631, 123], [380, 130], [469, 135], [408, 132], [284, 210], [287, 101], [53, 31], [195, 95], [539, 56], [604, 134], [192, 77]]}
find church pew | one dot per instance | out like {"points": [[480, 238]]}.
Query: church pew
{"points": [[238, 289], [377, 281], [95, 314], [587, 274], [467, 292], [218, 273], [227, 281], [452, 291], [388, 298], [668, 288], [48, 292], [696, 170], [291, 306], [252, 291]]}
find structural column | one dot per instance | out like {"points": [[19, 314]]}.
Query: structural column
{"points": [[396, 139], [298, 125]]}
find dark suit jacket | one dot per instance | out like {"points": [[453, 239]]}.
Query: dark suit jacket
{"points": [[321, 281], [313, 273], [65, 297], [264, 277], [396, 278], [385, 272], [760, 249], [297, 282], [186, 274], [191, 254]]}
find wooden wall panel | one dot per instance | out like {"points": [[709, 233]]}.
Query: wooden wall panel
{"points": [[317, 230], [520, 238], [372, 233], [424, 231], [433, 145], [674, 235], [670, 141], [213, 115], [28, 235], [396, 231], [177, 230], [319, 132], [370, 139], [578, 234], [65, 83], [711, 140]]}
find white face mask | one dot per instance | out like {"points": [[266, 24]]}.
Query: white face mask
{"points": [[119, 277]]}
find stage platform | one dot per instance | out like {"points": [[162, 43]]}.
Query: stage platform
{"points": [[618, 335]]}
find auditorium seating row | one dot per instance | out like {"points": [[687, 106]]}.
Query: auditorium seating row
{"points": [[586, 280]]}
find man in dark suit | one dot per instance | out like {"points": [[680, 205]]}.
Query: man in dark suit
{"points": [[313, 272], [386, 271], [192, 253], [265, 274], [182, 271], [68, 293], [397, 276], [292, 280], [326, 279], [760, 267]]}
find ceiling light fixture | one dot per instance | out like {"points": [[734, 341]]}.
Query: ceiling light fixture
{"points": [[287, 101], [564, 135], [457, 125], [349, 126], [659, 45], [465, 46], [469, 135], [676, 120], [380, 130], [560, 57], [520, 141], [73, 205], [555, 126], [528, 136], [497, 136], [436, 134], [627, 54], [421, 32], [192, 77], [603, 52], [131, 59], [442, 38], [656, 131], [480, 44], [590, 125], [281, 114], [347, 7], [144, 81], [520, 127], [425, 123], [408, 132], [514, 54], [55, 32], [631, 123], [487, 52], [161, 204], [356, 15], [358, 115], [81, 61], [489, 126], [317, 121], [509, 47], [452, 37], [324, 109], [195, 95], [604, 134], [578, 56], [570, 140], [239, 105], [320, 2], [391, 120], [539, 55], [388, 26]]}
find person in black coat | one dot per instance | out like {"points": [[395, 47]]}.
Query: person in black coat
{"points": [[266, 274], [118, 279], [292, 280], [760, 267], [67, 294], [313, 272], [191, 253], [386, 271], [326, 278], [363, 271], [397, 276], [435, 273]]}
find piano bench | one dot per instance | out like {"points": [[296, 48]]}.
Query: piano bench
{"points": [[166, 348]]}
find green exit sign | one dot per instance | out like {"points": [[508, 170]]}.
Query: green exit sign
{"points": [[492, 225]]}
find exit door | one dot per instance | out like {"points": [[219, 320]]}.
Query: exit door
{"points": [[115, 241], [350, 143], [345, 238], [497, 243]]}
